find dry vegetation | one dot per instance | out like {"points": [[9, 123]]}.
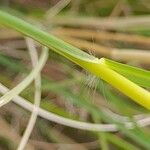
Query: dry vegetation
{"points": [[115, 29]]}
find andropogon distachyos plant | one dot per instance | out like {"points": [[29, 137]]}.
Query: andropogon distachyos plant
{"points": [[129, 80]]}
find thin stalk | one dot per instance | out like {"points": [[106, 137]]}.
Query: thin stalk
{"points": [[37, 96], [52, 12], [73, 123], [21, 86], [122, 54], [103, 36], [119, 24]]}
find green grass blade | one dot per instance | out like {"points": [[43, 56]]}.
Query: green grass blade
{"points": [[88, 62], [51, 41], [121, 143], [11, 64], [137, 75]]}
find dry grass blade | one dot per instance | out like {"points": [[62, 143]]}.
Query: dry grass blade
{"points": [[102, 35], [57, 8], [37, 97], [122, 23], [8, 34], [21, 86], [89, 46], [11, 134], [72, 123], [123, 55], [13, 52]]}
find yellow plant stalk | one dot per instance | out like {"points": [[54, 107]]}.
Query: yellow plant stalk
{"points": [[88, 62], [124, 85]]}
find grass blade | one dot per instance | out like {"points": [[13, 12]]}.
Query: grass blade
{"points": [[90, 63]]}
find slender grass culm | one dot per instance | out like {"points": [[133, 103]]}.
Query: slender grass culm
{"points": [[37, 96], [129, 80]]}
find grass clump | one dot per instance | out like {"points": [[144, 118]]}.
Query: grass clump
{"points": [[100, 67]]}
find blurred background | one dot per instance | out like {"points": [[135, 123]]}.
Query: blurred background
{"points": [[114, 29]]}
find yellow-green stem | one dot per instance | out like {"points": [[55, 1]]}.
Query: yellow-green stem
{"points": [[88, 62], [129, 88]]}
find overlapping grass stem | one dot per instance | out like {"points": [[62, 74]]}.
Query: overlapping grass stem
{"points": [[102, 68]]}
